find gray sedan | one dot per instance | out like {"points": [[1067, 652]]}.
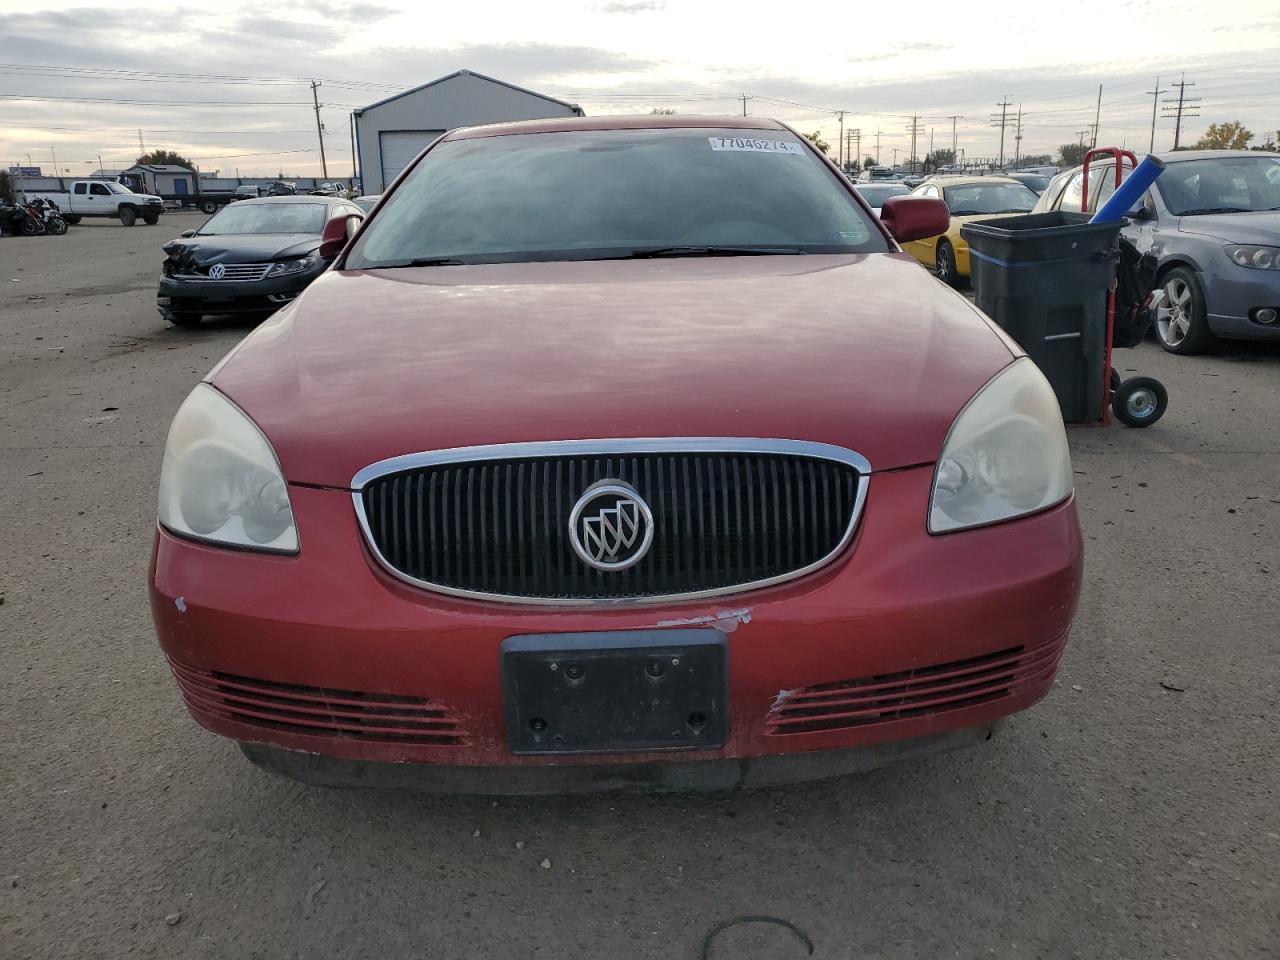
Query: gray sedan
{"points": [[1213, 220]]}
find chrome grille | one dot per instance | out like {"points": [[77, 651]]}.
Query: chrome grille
{"points": [[233, 271], [728, 515]]}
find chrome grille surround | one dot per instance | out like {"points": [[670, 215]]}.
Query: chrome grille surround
{"points": [[233, 272], [630, 447]]}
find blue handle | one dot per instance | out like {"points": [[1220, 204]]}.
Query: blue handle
{"points": [[1130, 190]]}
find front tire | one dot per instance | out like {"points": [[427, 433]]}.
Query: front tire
{"points": [[208, 207], [944, 259], [128, 216], [1140, 402], [56, 226], [151, 219], [1182, 323]]}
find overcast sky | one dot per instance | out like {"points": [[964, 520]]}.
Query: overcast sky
{"points": [[226, 81]]}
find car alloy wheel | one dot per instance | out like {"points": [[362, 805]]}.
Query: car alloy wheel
{"points": [[1173, 317], [945, 259]]}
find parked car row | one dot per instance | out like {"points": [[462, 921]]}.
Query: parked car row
{"points": [[1212, 219]]}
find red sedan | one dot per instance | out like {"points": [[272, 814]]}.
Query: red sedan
{"points": [[616, 453]]}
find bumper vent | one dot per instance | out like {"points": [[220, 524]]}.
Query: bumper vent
{"points": [[497, 527], [913, 693], [316, 711]]}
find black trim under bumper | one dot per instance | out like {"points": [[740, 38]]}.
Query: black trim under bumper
{"points": [[675, 777]]}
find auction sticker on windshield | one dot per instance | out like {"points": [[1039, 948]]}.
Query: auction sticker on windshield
{"points": [[752, 145]]}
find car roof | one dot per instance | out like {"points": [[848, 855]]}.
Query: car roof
{"points": [[964, 181], [298, 198], [632, 122], [1178, 156]]}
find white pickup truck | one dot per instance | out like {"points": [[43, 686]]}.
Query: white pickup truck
{"points": [[104, 198]]}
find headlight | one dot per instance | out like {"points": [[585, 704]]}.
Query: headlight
{"points": [[282, 268], [1006, 454], [221, 481], [1250, 255]]}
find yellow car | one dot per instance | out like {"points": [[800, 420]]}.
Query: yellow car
{"points": [[970, 198]]}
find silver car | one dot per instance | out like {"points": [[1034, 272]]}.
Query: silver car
{"points": [[1213, 220]]}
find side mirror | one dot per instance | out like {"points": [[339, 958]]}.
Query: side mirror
{"points": [[334, 237], [915, 218], [187, 233]]}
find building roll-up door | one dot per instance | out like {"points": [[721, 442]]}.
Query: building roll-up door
{"points": [[397, 149]]}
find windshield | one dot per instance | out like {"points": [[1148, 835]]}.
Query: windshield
{"points": [[599, 194], [1221, 185], [243, 218], [877, 193], [994, 197]]}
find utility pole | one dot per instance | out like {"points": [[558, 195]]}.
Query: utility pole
{"points": [[56, 171], [142, 147], [744, 98], [1097, 119], [855, 155], [315, 98], [1017, 139], [895, 158], [1002, 121], [1184, 109], [1155, 102], [877, 146], [930, 153], [840, 114], [953, 120], [915, 130], [1080, 134]]}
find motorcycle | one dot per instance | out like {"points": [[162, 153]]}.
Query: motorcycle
{"points": [[20, 221], [49, 214]]}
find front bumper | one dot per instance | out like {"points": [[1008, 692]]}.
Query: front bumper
{"points": [[231, 296], [296, 652], [1233, 292]]}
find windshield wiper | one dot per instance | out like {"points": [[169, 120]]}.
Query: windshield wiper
{"points": [[1204, 210], [649, 253]]}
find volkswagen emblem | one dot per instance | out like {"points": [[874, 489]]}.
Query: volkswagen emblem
{"points": [[217, 271], [611, 527]]}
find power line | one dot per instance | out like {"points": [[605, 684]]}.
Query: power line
{"points": [[159, 103]]}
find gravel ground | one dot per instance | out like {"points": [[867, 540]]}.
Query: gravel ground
{"points": [[1132, 814]]}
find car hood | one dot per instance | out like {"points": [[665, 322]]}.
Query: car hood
{"points": [[1262, 227], [866, 352], [204, 251]]}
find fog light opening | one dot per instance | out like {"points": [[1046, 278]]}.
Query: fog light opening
{"points": [[1266, 315]]}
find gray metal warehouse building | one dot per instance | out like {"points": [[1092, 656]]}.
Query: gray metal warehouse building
{"points": [[391, 132]]}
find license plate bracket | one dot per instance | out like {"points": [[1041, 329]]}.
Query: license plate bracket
{"points": [[615, 692]]}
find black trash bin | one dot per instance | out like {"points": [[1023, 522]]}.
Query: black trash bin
{"points": [[1044, 278]]}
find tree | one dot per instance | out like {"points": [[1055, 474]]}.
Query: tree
{"points": [[1072, 154], [816, 139], [159, 157], [1228, 135], [868, 162], [662, 111], [939, 158], [6, 188]]}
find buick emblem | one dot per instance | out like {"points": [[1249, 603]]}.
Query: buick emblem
{"points": [[217, 271], [611, 527]]}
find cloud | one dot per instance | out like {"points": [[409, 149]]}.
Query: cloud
{"points": [[920, 46], [362, 14], [636, 6]]}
